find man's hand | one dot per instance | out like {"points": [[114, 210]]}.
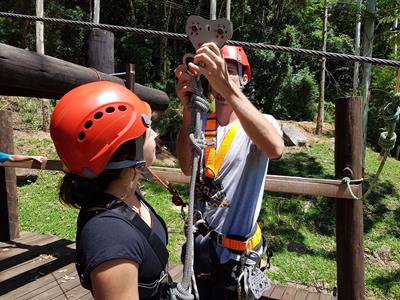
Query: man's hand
{"points": [[184, 87], [209, 62]]}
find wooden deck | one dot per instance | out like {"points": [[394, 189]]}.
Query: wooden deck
{"points": [[41, 267]]}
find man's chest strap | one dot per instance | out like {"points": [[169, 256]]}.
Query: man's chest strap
{"points": [[213, 159]]}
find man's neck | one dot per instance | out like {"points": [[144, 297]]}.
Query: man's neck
{"points": [[225, 118]]}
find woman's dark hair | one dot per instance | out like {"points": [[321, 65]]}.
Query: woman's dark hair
{"points": [[77, 191]]}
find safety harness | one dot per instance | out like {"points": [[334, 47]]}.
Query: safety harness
{"points": [[250, 277], [115, 206], [209, 186], [213, 159]]}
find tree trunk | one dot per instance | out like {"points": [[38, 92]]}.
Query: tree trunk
{"points": [[357, 47], [228, 9], [96, 12], [321, 102], [368, 37], [213, 9], [46, 108]]}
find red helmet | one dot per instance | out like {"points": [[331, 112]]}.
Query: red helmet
{"points": [[238, 55], [91, 121]]}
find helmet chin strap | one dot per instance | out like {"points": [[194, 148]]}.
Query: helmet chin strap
{"points": [[240, 72], [138, 162]]}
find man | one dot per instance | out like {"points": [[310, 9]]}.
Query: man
{"points": [[240, 141]]}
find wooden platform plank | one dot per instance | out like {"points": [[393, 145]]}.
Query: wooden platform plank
{"points": [[174, 271], [325, 297], [36, 287], [39, 270], [19, 258], [61, 289], [77, 292], [25, 274], [34, 259], [268, 293], [10, 251], [301, 295], [278, 292], [87, 296], [28, 238], [312, 296], [289, 293]]}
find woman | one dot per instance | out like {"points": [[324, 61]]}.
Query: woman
{"points": [[102, 133]]}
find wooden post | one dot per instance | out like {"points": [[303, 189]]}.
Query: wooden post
{"points": [[100, 54], [349, 213], [9, 226], [130, 77]]}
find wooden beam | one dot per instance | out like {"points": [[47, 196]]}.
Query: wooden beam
{"points": [[9, 225], [349, 214], [274, 183], [29, 74]]}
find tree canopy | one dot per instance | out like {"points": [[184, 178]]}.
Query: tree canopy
{"points": [[283, 84]]}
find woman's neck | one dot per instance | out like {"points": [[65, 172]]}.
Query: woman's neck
{"points": [[124, 187]]}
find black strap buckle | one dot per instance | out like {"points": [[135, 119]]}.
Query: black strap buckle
{"points": [[220, 238]]}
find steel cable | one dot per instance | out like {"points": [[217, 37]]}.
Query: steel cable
{"points": [[179, 36]]}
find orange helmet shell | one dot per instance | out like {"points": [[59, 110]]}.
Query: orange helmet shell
{"points": [[238, 55], [91, 121]]}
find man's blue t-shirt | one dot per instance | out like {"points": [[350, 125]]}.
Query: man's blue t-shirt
{"points": [[4, 157]]}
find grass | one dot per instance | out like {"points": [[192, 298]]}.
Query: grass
{"points": [[299, 229]]}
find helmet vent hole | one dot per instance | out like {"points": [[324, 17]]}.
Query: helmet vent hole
{"points": [[81, 136], [98, 115], [88, 124], [110, 109], [122, 108]]}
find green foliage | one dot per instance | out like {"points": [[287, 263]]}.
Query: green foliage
{"points": [[298, 97], [329, 112], [168, 123]]}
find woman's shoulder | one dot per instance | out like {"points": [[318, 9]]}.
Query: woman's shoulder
{"points": [[109, 229], [110, 225], [107, 236]]}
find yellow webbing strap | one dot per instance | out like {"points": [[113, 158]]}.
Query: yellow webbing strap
{"points": [[213, 159]]}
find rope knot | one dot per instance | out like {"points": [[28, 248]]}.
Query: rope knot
{"points": [[387, 142], [391, 113]]}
